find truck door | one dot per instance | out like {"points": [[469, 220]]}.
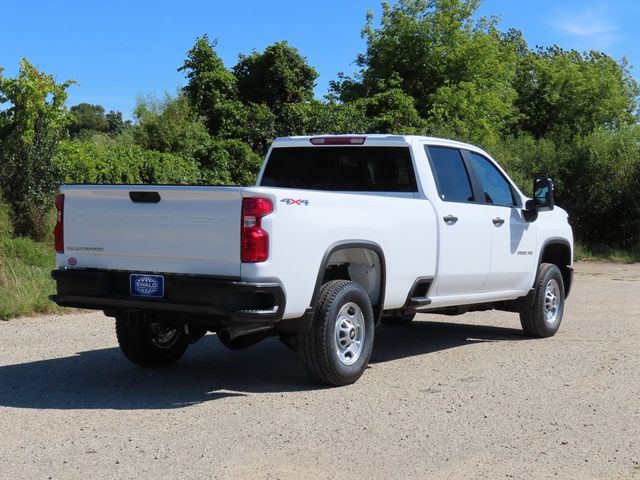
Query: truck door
{"points": [[513, 240], [464, 247]]}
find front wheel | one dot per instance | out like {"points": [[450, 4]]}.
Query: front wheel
{"points": [[337, 347], [541, 314], [150, 345]]}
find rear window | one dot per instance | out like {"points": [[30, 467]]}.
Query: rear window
{"points": [[360, 169]]}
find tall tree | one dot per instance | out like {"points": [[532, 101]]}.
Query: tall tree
{"points": [[32, 121], [565, 93], [211, 88], [275, 77], [458, 69], [88, 117]]}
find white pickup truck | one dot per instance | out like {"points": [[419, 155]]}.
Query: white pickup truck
{"points": [[339, 234]]}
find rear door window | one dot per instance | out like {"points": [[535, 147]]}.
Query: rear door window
{"points": [[349, 169], [451, 175]]}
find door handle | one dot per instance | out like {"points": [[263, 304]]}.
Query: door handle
{"points": [[498, 221], [450, 219]]}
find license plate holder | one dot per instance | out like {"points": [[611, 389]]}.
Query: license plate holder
{"points": [[144, 285]]}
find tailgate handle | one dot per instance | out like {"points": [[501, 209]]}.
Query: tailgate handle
{"points": [[144, 197]]}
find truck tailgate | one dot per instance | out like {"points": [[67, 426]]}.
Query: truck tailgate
{"points": [[153, 228]]}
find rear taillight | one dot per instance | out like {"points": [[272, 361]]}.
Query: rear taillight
{"points": [[255, 241], [58, 231]]}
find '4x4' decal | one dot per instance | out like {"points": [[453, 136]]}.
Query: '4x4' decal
{"points": [[295, 201]]}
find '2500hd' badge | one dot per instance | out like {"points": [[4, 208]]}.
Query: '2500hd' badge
{"points": [[295, 201]]}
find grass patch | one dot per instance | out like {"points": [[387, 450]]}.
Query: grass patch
{"points": [[25, 281], [606, 254]]}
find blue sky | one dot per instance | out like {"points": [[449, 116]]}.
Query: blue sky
{"points": [[118, 50]]}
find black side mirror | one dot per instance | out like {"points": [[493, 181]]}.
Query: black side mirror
{"points": [[543, 194], [530, 212]]}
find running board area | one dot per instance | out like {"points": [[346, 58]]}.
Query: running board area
{"points": [[417, 302]]}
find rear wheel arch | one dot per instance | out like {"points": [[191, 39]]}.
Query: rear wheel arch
{"points": [[362, 262]]}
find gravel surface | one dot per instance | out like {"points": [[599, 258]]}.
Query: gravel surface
{"points": [[446, 397]]}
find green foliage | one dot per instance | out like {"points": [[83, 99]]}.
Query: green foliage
{"points": [[229, 162], [600, 253], [211, 88], [6, 225], [102, 159], [597, 178], [25, 281], [31, 126], [392, 111], [562, 94], [457, 70], [88, 117], [315, 118], [275, 77], [169, 126]]}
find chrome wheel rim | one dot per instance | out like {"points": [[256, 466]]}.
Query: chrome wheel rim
{"points": [[164, 337], [552, 302], [349, 333]]}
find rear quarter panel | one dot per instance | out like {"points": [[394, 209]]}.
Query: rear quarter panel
{"points": [[402, 225]]}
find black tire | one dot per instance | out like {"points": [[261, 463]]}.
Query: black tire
{"points": [[398, 320], [542, 310], [150, 345], [330, 350]]}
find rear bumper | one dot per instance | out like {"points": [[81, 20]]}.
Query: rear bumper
{"points": [[219, 298]]}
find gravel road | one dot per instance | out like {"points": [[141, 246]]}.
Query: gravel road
{"points": [[447, 397]]}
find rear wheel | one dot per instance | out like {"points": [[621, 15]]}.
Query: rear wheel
{"points": [[337, 348], [153, 344], [542, 312]]}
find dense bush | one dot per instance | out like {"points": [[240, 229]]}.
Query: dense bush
{"points": [[103, 159]]}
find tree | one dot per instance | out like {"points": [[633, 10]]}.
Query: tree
{"points": [[211, 88], [116, 124], [169, 126], [565, 93], [316, 118], [229, 162], [458, 69], [275, 77], [31, 125], [392, 111], [88, 117]]}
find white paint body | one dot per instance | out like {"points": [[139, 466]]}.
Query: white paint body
{"points": [[196, 230]]}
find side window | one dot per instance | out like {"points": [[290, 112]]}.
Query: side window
{"points": [[452, 178], [495, 187]]}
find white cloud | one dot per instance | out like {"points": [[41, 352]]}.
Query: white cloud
{"points": [[591, 29]]}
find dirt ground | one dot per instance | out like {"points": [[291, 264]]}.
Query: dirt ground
{"points": [[446, 397]]}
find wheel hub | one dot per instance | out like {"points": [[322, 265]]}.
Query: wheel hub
{"points": [[349, 333], [552, 301], [164, 336]]}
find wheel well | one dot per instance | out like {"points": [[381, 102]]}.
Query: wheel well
{"points": [[361, 264], [560, 255]]}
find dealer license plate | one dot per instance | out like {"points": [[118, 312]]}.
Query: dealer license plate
{"points": [[146, 285]]}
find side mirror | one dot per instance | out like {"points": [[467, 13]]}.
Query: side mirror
{"points": [[530, 212], [543, 194]]}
